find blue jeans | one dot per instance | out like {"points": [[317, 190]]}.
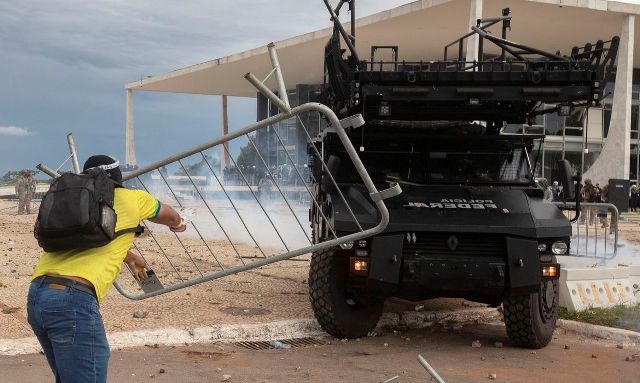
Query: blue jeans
{"points": [[69, 328]]}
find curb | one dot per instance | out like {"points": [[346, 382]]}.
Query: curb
{"points": [[296, 328], [625, 337]]}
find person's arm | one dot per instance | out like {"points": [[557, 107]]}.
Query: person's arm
{"points": [[169, 217]]}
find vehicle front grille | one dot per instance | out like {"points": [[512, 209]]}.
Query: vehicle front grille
{"points": [[435, 245]]}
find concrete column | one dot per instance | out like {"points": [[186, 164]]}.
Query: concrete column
{"points": [[475, 13], [613, 161], [224, 157], [130, 149]]}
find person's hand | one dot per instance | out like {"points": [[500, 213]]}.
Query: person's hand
{"points": [[137, 265], [182, 226]]}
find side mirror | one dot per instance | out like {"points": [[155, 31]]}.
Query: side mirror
{"points": [[566, 179]]}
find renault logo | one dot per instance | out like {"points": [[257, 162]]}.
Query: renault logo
{"points": [[452, 242]]}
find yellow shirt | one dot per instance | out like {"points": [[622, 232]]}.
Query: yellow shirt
{"points": [[101, 265]]}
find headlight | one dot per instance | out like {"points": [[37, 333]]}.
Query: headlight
{"points": [[362, 243], [347, 245], [361, 253], [542, 247], [559, 248]]}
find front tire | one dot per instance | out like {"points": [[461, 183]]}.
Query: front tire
{"points": [[530, 319], [341, 311]]}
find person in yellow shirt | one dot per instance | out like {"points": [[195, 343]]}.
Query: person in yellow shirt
{"points": [[68, 286]]}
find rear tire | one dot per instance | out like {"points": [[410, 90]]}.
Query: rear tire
{"points": [[531, 318], [342, 312]]}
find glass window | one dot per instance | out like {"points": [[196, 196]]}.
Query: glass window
{"points": [[574, 158], [551, 169], [454, 166], [633, 170], [607, 119], [574, 122], [553, 125], [513, 128]]}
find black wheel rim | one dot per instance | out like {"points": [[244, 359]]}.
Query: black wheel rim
{"points": [[548, 300]]}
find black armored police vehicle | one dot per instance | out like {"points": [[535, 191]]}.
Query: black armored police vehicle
{"points": [[471, 221]]}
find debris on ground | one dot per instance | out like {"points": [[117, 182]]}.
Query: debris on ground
{"points": [[226, 378], [620, 346], [566, 347], [162, 370], [493, 376], [633, 358], [279, 345], [10, 310], [140, 314], [476, 344], [418, 307], [594, 356]]}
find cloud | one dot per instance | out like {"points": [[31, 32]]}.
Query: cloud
{"points": [[15, 131], [65, 63]]}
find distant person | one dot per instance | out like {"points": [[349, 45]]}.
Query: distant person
{"points": [[602, 214], [25, 191], [544, 184], [68, 286], [633, 198], [598, 196], [588, 194], [555, 191]]}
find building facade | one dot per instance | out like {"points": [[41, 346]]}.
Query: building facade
{"points": [[602, 142]]}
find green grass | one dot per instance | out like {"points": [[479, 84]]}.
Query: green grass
{"points": [[624, 317]]}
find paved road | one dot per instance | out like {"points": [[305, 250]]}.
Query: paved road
{"points": [[368, 360]]}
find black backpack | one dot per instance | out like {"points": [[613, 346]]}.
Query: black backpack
{"points": [[77, 213]]}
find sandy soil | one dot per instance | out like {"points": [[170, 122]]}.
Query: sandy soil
{"points": [[280, 290], [569, 358], [273, 292], [630, 228]]}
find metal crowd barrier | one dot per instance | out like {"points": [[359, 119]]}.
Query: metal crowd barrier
{"points": [[595, 233], [237, 228]]}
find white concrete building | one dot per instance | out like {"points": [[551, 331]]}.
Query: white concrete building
{"points": [[604, 143]]}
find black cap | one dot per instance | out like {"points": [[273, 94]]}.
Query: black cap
{"points": [[108, 163]]}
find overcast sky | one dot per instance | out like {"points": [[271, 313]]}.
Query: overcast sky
{"points": [[64, 65]]}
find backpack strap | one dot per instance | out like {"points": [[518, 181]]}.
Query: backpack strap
{"points": [[138, 230]]}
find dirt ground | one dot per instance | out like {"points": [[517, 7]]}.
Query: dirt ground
{"points": [[267, 288], [568, 359], [274, 292]]}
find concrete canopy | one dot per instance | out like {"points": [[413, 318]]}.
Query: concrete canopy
{"points": [[420, 29]]}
